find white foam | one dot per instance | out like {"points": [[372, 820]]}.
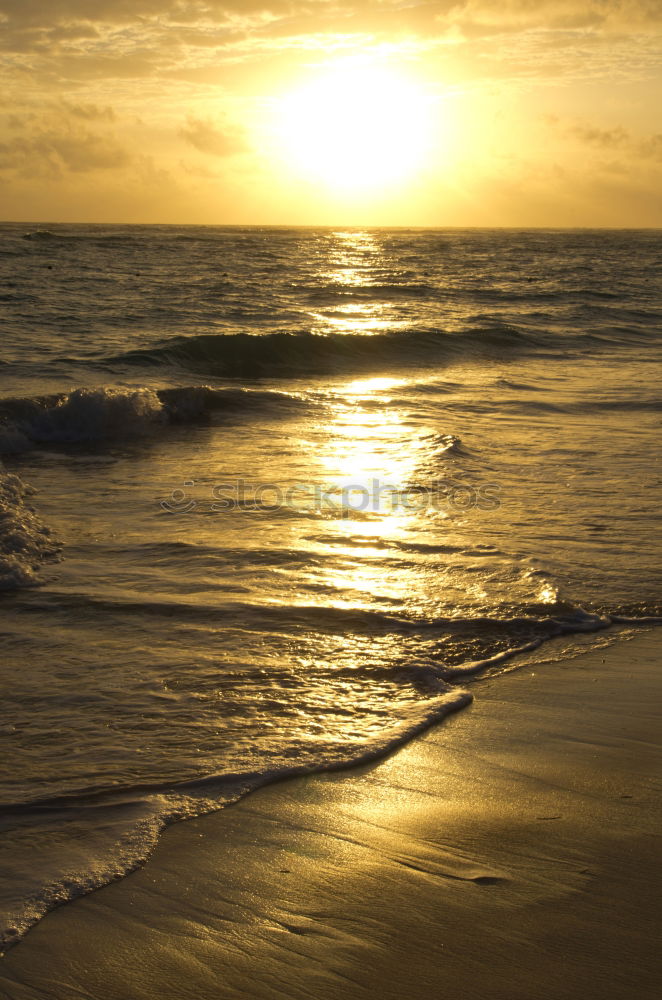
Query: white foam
{"points": [[97, 848], [95, 415], [25, 542]]}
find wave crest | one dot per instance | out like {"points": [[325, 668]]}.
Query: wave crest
{"points": [[302, 353], [81, 416], [107, 413]]}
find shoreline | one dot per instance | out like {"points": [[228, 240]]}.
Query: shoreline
{"points": [[511, 851]]}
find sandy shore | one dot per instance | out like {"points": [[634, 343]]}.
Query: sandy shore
{"points": [[512, 852]]}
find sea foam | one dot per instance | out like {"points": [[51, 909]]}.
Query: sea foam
{"points": [[82, 416], [25, 541], [108, 413], [97, 414]]}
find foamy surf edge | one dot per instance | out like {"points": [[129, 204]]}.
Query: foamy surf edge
{"points": [[202, 797], [163, 807], [26, 543]]}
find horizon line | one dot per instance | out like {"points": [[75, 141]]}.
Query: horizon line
{"points": [[328, 225]]}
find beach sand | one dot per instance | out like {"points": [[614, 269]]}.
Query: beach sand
{"points": [[511, 852]]}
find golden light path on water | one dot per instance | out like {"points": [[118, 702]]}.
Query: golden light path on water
{"points": [[375, 467], [370, 469], [354, 263], [359, 563]]}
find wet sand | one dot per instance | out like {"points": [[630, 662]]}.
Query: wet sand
{"points": [[512, 852]]}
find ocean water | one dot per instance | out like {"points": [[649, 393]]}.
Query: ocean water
{"points": [[275, 500]]}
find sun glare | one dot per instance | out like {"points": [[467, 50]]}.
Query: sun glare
{"points": [[355, 127]]}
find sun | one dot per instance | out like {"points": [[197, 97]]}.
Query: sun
{"points": [[355, 127]]}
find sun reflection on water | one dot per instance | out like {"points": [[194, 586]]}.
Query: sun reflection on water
{"points": [[368, 386], [367, 463], [354, 267], [366, 318], [371, 453], [373, 471]]}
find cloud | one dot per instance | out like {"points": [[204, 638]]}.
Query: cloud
{"points": [[207, 138], [198, 171], [63, 43], [651, 147], [423, 16], [603, 138], [89, 112], [616, 140], [564, 13], [50, 152], [647, 147], [45, 12]]}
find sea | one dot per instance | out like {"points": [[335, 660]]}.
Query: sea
{"points": [[275, 500]]}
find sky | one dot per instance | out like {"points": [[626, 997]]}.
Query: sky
{"points": [[328, 112]]}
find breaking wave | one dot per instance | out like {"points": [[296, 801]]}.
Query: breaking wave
{"points": [[86, 416], [25, 541]]}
